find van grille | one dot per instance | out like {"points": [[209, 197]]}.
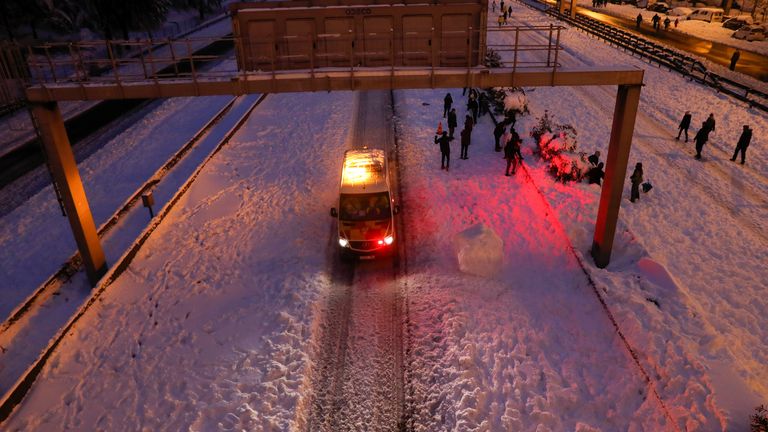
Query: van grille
{"points": [[362, 245]]}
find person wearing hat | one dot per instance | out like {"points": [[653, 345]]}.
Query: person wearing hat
{"points": [[637, 179], [445, 150], [685, 123], [741, 146]]}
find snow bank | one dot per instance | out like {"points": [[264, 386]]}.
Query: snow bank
{"points": [[479, 250]]}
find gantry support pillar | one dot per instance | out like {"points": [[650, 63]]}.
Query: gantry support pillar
{"points": [[64, 170], [624, 113], [561, 8]]}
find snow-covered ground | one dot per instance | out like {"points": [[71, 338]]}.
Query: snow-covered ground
{"points": [[214, 323], [708, 31]]}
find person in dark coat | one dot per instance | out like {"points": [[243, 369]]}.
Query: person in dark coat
{"points": [[498, 131], [701, 138], [452, 122], [447, 102], [466, 136], [685, 123], [512, 153], [468, 123], [484, 105], [636, 178], [594, 159], [734, 59], [655, 20], [741, 146], [709, 123], [472, 106], [639, 20], [667, 22], [596, 174], [445, 150]]}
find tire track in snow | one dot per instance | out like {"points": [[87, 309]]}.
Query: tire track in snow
{"points": [[358, 374]]}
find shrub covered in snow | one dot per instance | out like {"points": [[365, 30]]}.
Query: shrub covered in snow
{"points": [[556, 143], [759, 420], [509, 101], [492, 59]]}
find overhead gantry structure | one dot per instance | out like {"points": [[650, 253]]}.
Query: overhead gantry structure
{"points": [[319, 45]]}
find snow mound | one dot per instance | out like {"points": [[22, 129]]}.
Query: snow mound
{"points": [[480, 251], [657, 274]]}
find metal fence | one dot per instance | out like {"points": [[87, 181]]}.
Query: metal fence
{"points": [[82, 62], [14, 76]]}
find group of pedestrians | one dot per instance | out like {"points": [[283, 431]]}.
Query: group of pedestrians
{"points": [[477, 106], [444, 138], [503, 18], [599, 3], [656, 22], [707, 127]]}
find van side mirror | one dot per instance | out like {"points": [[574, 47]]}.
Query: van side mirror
{"points": [[334, 213], [396, 210]]}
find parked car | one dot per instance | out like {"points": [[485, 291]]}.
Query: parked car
{"points": [[737, 23], [751, 33], [680, 11], [659, 7], [706, 14]]}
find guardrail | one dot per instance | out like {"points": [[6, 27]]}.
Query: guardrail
{"points": [[662, 55]]}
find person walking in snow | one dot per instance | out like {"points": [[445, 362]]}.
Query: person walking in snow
{"points": [[709, 123], [734, 59], [677, 21], [468, 123], [493, 6], [498, 131], [636, 178], [502, 5], [484, 105], [685, 123], [466, 136], [512, 153], [639, 20], [472, 107], [447, 102], [445, 150], [452, 122], [506, 136], [505, 17], [501, 20], [509, 11], [594, 159], [655, 20], [741, 146], [667, 21], [701, 138]]}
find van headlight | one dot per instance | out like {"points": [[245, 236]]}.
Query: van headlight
{"points": [[389, 239], [343, 242]]}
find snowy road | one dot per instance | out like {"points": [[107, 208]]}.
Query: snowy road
{"points": [[358, 374]]}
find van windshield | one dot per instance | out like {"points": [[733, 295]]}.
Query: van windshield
{"points": [[361, 207]]}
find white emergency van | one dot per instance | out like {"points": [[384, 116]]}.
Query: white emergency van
{"points": [[365, 214]]}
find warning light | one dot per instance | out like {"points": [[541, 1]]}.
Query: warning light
{"points": [[363, 166]]}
